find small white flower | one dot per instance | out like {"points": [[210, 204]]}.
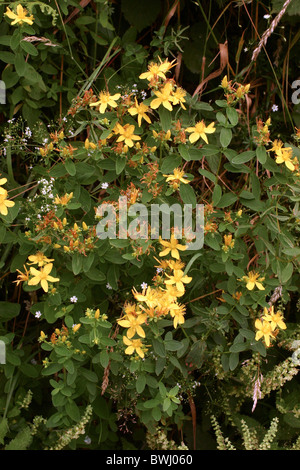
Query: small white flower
{"points": [[159, 270], [108, 286], [274, 108], [73, 299], [144, 285], [104, 185], [267, 17], [87, 440], [38, 314]]}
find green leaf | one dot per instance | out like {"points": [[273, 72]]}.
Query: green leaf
{"points": [[70, 167], [140, 383], [165, 117], [183, 150], [217, 193], [120, 165], [104, 359], [187, 194], [170, 162], [287, 273], [72, 410], [76, 263], [261, 154], [232, 115], [233, 360], [140, 13], [227, 200], [159, 365], [225, 136], [243, 157], [159, 347], [20, 64], [29, 48], [3, 429], [9, 310]]}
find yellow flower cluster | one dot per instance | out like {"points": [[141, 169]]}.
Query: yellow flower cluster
{"points": [[228, 243], [234, 91], [157, 301], [37, 276], [267, 327]]}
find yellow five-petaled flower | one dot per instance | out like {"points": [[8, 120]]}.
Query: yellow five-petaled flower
{"points": [[133, 345], [140, 109], [179, 279], [253, 280], [4, 202], [39, 258], [275, 319], [106, 99], [19, 17], [176, 178], [42, 276], [133, 323], [200, 130], [171, 246], [264, 330], [126, 134]]}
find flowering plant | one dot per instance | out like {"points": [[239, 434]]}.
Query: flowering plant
{"points": [[138, 327]]}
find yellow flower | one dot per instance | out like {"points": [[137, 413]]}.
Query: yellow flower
{"points": [[3, 181], [39, 258], [253, 280], [224, 82], [200, 130], [22, 277], [177, 312], [277, 145], [89, 145], [133, 323], [106, 99], [126, 134], [42, 276], [284, 155], [133, 345], [264, 330], [140, 110], [42, 337], [177, 177], [172, 246], [20, 16], [4, 202], [179, 279], [176, 264], [164, 97], [275, 319], [228, 242], [149, 297], [76, 327], [178, 97], [64, 199], [157, 70]]}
